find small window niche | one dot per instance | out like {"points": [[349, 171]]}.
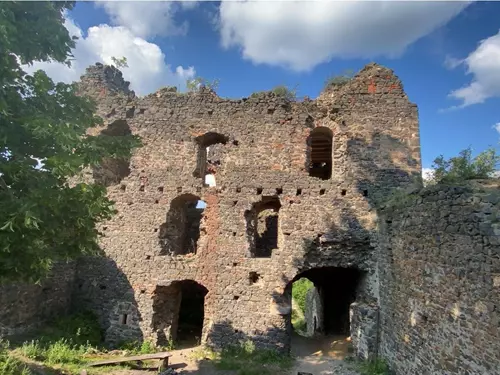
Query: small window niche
{"points": [[124, 319], [209, 155], [319, 153], [263, 227]]}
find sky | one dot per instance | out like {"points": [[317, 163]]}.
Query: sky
{"points": [[447, 54]]}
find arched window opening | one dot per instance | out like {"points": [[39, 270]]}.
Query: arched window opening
{"points": [[180, 233], [113, 170], [320, 153], [178, 313], [210, 152], [263, 227]]}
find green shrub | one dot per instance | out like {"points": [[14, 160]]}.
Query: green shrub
{"points": [[284, 92], [464, 167], [339, 80], [299, 291], [281, 91]]}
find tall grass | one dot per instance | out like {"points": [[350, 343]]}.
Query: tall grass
{"points": [[10, 365]]}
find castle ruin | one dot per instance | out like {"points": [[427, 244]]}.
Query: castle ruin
{"points": [[229, 201]]}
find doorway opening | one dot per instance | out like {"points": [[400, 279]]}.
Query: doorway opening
{"points": [[179, 312], [321, 300]]}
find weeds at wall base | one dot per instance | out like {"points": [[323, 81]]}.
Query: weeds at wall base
{"points": [[377, 366]]}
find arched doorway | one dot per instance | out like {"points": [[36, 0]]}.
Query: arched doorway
{"points": [[179, 312], [321, 300]]}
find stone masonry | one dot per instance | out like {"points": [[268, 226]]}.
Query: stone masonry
{"points": [[439, 272], [24, 307], [294, 189], [299, 192]]}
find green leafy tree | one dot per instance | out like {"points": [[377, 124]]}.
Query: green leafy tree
{"points": [[120, 62], [44, 218], [299, 291], [195, 84], [464, 167]]}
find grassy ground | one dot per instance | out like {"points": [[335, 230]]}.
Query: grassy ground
{"points": [[245, 359], [66, 346]]}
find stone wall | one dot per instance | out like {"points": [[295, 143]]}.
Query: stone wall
{"points": [[439, 269], [24, 307], [259, 150]]}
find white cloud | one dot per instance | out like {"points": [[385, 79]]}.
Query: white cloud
{"points": [[300, 35], [147, 18], [484, 65], [497, 127], [451, 62], [427, 173], [147, 70]]}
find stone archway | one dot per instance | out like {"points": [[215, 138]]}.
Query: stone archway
{"points": [[327, 304]]}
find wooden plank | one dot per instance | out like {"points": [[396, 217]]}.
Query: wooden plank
{"points": [[143, 357]]}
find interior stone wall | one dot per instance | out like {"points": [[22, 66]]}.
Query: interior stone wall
{"points": [[24, 307], [439, 269], [263, 152]]}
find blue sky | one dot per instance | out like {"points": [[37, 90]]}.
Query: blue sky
{"points": [[446, 54]]}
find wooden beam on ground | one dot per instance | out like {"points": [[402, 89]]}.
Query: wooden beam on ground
{"points": [[144, 357]]}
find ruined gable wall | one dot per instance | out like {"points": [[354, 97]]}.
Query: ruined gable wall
{"points": [[266, 149], [439, 268]]}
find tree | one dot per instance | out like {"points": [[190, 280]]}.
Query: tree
{"points": [[120, 62], [44, 218], [463, 167], [195, 84]]}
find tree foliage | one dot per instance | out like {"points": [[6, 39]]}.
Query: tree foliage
{"points": [[195, 84], [120, 62], [464, 167], [299, 291], [43, 218]]}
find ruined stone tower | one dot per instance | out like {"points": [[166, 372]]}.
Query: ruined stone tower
{"points": [[289, 193]]}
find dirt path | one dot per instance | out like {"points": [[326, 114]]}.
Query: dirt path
{"points": [[321, 355], [318, 356]]}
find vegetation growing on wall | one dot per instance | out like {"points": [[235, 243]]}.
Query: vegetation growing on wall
{"points": [[199, 83], [339, 80], [464, 167], [43, 143], [281, 91]]}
